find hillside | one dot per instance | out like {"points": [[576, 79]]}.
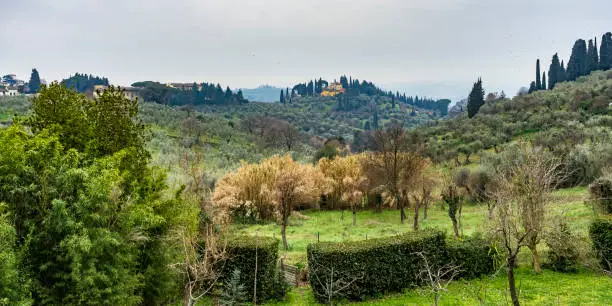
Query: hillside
{"points": [[572, 118]]}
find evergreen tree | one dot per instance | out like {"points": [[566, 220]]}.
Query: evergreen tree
{"points": [[605, 52], [375, 119], [34, 81], [592, 57], [538, 80], [476, 99], [287, 96], [532, 88], [562, 73], [282, 97], [578, 63], [543, 81]]}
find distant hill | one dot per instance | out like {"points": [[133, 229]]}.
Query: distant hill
{"points": [[264, 93]]}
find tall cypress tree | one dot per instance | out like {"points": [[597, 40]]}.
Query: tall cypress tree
{"points": [[34, 81], [532, 87], [554, 72], [476, 99], [578, 63], [543, 81], [282, 97], [592, 58], [538, 80], [605, 52], [563, 73]]}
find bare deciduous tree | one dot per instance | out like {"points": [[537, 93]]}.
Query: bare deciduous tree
{"points": [[437, 279], [392, 169], [335, 284], [525, 183]]}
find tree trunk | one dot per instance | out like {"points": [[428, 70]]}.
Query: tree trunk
{"points": [[415, 224], [455, 227], [354, 216], [283, 233], [400, 204], [187, 301], [535, 258], [425, 212], [511, 283]]}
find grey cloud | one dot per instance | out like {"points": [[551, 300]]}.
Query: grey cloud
{"points": [[245, 43]]}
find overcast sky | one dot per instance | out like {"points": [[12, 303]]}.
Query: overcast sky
{"points": [[432, 47]]}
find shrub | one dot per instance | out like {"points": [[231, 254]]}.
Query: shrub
{"points": [[473, 255], [563, 254], [600, 232], [357, 270], [600, 192], [241, 251]]}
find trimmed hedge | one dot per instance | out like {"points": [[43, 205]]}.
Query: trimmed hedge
{"points": [[474, 254], [241, 251], [374, 267], [600, 232]]}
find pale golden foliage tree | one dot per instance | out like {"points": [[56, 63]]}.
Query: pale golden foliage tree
{"points": [[272, 188], [244, 190], [344, 180]]}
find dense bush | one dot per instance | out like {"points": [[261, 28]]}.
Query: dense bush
{"points": [[600, 192], [242, 257], [378, 266], [13, 287], [473, 254], [600, 232], [563, 254]]}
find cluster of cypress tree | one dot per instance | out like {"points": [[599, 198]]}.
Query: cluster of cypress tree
{"points": [[204, 93], [83, 82], [354, 87], [585, 58]]}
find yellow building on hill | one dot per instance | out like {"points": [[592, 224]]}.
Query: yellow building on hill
{"points": [[332, 89]]}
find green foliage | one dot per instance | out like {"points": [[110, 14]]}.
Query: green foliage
{"points": [[605, 53], [34, 83], [563, 254], [475, 99], [89, 214], [83, 83], [578, 62], [600, 192], [600, 232], [473, 255], [243, 252], [233, 293], [14, 287], [378, 266]]}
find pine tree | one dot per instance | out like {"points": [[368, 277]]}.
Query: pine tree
{"points": [[578, 63], [282, 97], [605, 52], [538, 80], [476, 99], [543, 81], [34, 81]]}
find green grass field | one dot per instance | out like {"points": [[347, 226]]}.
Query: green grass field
{"points": [[550, 288], [337, 226]]}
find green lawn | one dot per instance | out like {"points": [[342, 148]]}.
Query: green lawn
{"points": [[550, 288], [337, 226]]}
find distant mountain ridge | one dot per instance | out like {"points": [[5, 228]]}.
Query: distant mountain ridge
{"points": [[264, 93]]}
